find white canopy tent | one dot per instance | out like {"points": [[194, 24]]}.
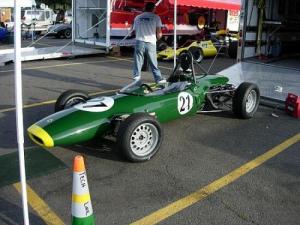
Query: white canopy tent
{"points": [[23, 3]]}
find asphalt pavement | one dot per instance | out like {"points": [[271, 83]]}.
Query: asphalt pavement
{"points": [[196, 156]]}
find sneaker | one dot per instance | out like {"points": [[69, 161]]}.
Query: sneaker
{"points": [[162, 81], [137, 78]]}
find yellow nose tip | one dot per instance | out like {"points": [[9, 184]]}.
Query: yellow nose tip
{"points": [[39, 136]]}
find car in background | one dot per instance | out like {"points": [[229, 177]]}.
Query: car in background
{"points": [[199, 49], [37, 19], [3, 33], [60, 30]]}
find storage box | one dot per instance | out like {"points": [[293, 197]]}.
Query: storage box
{"points": [[292, 105]]}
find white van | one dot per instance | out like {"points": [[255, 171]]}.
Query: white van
{"points": [[37, 19]]}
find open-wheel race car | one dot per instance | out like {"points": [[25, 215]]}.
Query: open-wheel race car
{"points": [[134, 114], [199, 49]]}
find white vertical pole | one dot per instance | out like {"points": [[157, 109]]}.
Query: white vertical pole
{"points": [[108, 11], [73, 20], [175, 31], [19, 106]]}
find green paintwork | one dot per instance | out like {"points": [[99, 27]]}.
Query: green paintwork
{"points": [[73, 126], [90, 220]]}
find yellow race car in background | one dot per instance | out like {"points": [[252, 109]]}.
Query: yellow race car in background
{"points": [[199, 49]]}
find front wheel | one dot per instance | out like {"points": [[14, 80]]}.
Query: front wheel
{"points": [[70, 98], [139, 137], [246, 100]]}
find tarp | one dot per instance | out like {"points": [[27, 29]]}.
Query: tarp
{"points": [[10, 3], [212, 4]]}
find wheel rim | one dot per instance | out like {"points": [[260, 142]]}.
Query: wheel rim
{"points": [[251, 101], [144, 139], [199, 56], [73, 101]]}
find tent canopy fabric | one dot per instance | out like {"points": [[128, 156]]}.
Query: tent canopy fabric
{"points": [[213, 4], [10, 3]]}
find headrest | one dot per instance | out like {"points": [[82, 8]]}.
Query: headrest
{"points": [[185, 60]]}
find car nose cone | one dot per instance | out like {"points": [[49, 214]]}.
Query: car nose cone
{"points": [[40, 136]]}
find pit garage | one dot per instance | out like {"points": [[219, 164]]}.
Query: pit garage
{"points": [[268, 49]]}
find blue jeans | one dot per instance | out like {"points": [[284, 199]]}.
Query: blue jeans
{"points": [[150, 49]]}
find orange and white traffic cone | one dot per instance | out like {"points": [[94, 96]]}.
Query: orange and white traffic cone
{"points": [[82, 211]]}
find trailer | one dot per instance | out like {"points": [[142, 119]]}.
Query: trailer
{"points": [[106, 22], [269, 47]]}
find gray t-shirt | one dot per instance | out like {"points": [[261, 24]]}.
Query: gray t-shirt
{"points": [[145, 27]]}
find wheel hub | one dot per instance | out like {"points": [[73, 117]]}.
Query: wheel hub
{"points": [[144, 139], [251, 101]]}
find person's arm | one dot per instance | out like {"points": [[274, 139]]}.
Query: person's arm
{"points": [[158, 33], [158, 28]]}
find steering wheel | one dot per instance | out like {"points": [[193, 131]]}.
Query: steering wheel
{"points": [[147, 87]]}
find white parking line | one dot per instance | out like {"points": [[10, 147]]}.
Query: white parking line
{"points": [[65, 64]]}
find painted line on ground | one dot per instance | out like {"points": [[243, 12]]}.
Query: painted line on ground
{"points": [[40, 206], [65, 64], [51, 101], [216, 185], [131, 60]]}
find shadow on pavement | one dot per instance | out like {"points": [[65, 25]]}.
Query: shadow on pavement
{"points": [[11, 214]]}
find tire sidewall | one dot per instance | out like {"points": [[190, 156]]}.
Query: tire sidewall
{"points": [[66, 33]]}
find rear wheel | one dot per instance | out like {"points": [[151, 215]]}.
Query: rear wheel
{"points": [[246, 100], [139, 137], [68, 33], [161, 45], [70, 98]]}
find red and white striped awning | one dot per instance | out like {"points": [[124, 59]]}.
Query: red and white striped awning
{"points": [[212, 4]]}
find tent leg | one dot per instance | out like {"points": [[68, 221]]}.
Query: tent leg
{"points": [[175, 31], [19, 106]]}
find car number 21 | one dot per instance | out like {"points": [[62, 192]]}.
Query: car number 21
{"points": [[184, 102]]}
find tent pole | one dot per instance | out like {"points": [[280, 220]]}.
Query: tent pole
{"points": [[73, 19], [108, 12], [175, 31], [19, 106]]}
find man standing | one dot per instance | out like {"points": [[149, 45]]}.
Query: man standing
{"points": [[147, 27]]}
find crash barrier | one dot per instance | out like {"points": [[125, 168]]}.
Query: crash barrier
{"points": [[82, 211]]}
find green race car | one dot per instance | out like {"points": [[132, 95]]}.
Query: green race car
{"points": [[134, 114]]}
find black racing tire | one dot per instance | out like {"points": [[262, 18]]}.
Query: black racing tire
{"points": [[139, 137], [161, 45], [232, 49], [197, 53], [68, 33], [70, 98], [246, 100]]}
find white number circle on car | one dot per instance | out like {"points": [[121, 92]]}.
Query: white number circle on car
{"points": [[99, 104], [185, 102]]}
